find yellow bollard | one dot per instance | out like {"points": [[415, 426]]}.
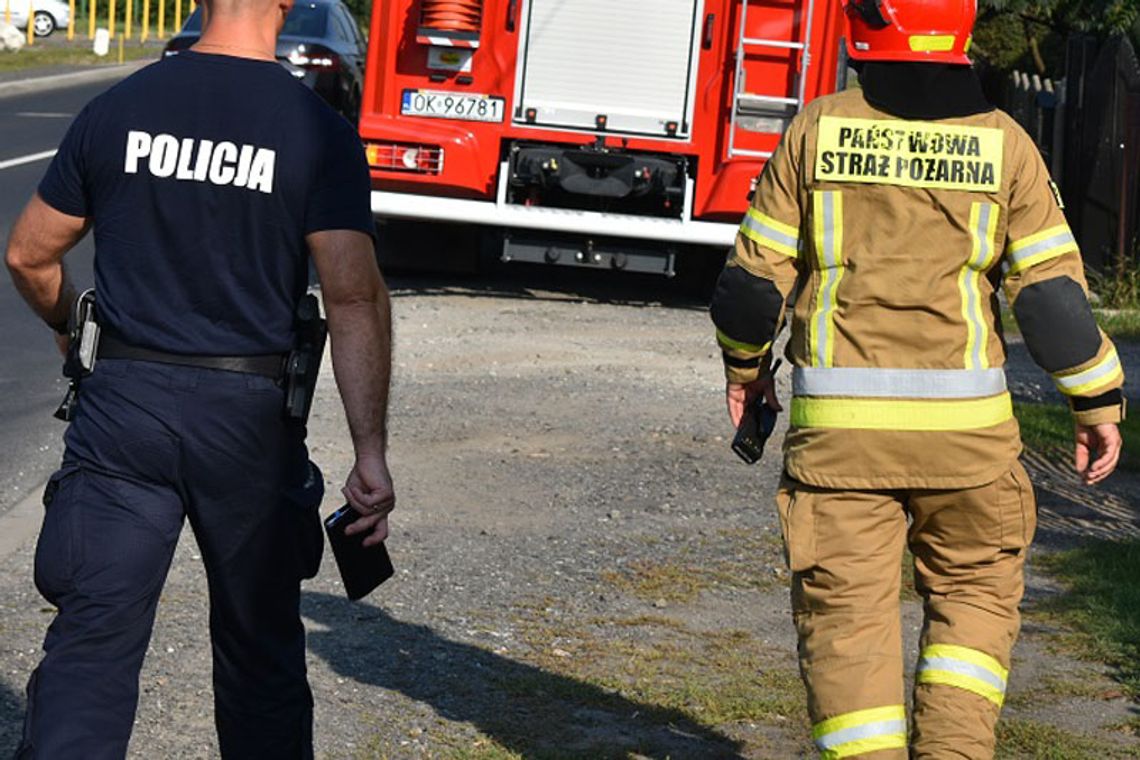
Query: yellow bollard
{"points": [[8, 11], [127, 22], [31, 23], [145, 22], [162, 19], [71, 26], [111, 20], [92, 9], [177, 16]]}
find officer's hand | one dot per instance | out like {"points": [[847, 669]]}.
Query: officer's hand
{"points": [[1105, 440], [369, 491], [739, 396]]}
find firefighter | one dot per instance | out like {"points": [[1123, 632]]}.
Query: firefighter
{"points": [[888, 218]]}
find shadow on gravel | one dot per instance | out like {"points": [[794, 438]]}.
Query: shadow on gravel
{"points": [[524, 708], [539, 283], [11, 719]]}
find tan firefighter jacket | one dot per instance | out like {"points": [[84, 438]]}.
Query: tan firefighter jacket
{"points": [[894, 236]]}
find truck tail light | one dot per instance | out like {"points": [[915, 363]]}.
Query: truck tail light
{"points": [[404, 157], [450, 23]]}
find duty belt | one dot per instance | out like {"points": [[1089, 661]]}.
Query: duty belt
{"points": [[269, 365]]}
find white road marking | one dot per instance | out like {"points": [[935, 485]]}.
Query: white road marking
{"points": [[44, 115], [27, 159]]}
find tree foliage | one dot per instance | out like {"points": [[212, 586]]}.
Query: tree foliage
{"points": [[1102, 17], [1031, 34]]}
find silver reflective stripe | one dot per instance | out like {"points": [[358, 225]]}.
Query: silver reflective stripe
{"points": [[872, 382], [973, 295], [830, 265], [964, 668], [1049, 243], [1109, 365], [867, 731], [771, 233]]}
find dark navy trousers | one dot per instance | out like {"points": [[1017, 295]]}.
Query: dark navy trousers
{"points": [[153, 444]]}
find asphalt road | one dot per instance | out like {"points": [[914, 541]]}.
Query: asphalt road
{"points": [[30, 385]]}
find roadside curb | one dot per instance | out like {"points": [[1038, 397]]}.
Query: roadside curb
{"points": [[21, 522], [70, 79]]}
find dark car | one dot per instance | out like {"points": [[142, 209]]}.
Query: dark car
{"points": [[320, 44]]}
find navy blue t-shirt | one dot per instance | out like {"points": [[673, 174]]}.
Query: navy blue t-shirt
{"points": [[203, 174]]}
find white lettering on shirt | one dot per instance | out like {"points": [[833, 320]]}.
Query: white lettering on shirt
{"points": [[163, 155], [189, 159]]}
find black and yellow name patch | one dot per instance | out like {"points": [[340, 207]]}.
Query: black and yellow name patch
{"points": [[911, 154]]}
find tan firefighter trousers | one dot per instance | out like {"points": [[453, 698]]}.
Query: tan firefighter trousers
{"points": [[844, 549]]}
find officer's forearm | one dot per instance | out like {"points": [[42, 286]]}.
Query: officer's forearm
{"points": [[39, 240], [46, 289], [361, 338]]}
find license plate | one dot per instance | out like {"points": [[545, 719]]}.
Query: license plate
{"points": [[452, 105]]}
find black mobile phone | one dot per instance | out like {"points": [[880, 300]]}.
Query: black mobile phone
{"points": [[756, 425], [362, 568]]}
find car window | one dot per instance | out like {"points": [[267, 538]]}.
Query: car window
{"points": [[194, 22], [306, 20]]}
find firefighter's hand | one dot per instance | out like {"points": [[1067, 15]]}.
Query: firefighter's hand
{"points": [[369, 491], [740, 395], [1104, 440]]}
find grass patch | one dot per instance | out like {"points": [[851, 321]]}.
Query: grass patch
{"points": [[1025, 738], [1049, 427], [707, 678], [1120, 323], [745, 559], [1101, 604], [44, 56], [1052, 689]]}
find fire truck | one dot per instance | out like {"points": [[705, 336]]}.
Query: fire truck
{"points": [[618, 134]]}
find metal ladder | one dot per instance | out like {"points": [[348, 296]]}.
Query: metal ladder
{"points": [[740, 96]]}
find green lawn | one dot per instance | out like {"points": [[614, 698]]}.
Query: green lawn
{"points": [[1120, 323], [44, 55], [1101, 604]]}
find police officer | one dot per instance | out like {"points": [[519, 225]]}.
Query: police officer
{"points": [[209, 178], [893, 213]]}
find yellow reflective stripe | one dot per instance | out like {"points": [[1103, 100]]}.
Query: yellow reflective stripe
{"points": [[1104, 372], [931, 43], [966, 654], [827, 221], [737, 345], [864, 746], [766, 231], [786, 229], [983, 229], [1048, 244], [963, 668], [857, 718], [960, 681], [900, 414]]}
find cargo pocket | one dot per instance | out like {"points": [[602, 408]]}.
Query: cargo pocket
{"points": [[1018, 509], [797, 525], [303, 500], [58, 548]]}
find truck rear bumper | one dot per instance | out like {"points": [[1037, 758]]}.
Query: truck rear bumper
{"points": [[432, 208]]}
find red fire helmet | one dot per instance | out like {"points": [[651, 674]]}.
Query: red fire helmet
{"points": [[933, 31]]}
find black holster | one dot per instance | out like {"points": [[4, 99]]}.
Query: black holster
{"points": [[304, 363]]}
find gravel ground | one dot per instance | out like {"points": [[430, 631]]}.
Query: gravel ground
{"points": [[584, 569]]}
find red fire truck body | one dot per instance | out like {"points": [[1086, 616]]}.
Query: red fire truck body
{"points": [[587, 132]]}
